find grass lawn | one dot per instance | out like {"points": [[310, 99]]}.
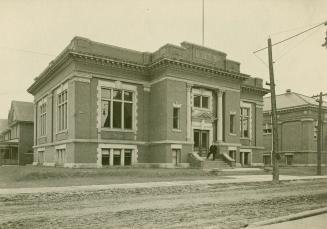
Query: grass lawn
{"points": [[31, 176]]}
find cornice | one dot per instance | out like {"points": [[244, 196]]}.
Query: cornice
{"points": [[118, 63], [164, 62], [297, 108], [257, 90]]}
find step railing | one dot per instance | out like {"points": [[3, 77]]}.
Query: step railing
{"points": [[230, 161], [195, 160]]}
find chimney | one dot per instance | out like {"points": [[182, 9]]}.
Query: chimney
{"points": [[288, 91]]}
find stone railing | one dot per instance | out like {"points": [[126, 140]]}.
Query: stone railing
{"points": [[195, 160], [230, 161]]}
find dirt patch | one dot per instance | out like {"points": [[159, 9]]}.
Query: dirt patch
{"points": [[194, 206]]}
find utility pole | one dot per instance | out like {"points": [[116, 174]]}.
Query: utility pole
{"points": [[275, 155], [319, 137]]}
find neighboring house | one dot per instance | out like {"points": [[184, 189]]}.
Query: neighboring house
{"points": [[99, 105], [16, 135], [297, 129]]}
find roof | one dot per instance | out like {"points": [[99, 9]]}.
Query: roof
{"points": [[24, 111], [290, 100], [187, 54], [3, 124]]}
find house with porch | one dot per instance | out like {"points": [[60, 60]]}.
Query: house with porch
{"points": [[16, 135], [297, 130], [99, 105]]}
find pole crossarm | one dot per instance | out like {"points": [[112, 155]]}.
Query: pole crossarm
{"points": [[298, 34]]}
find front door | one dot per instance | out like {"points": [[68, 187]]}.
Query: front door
{"points": [[201, 142]]}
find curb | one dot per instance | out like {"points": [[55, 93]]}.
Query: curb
{"points": [[282, 219]]}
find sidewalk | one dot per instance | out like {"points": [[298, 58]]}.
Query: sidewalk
{"points": [[313, 222], [229, 180]]}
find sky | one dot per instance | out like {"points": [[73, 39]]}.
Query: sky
{"points": [[33, 32]]}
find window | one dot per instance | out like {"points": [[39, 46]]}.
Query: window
{"points": [[43, 118], [244, 122], [60, 157], [267, 128], [117, 156], [105, 157], [117, 108], [128, 157], [231, 123], [315, 130], [232, 154], [201, 101], [62, 111], [267, 160], [176, 156], [289, 159], [176, 112]]}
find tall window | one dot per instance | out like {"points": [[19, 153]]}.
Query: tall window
{"points": [[116, 108], [201, 101], [231, 123], [267, 128], [62, 111], [176, 111], [315, 130], [43, 119], [245, 122]]}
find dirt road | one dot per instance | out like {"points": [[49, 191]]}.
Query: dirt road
{"points": [[194, 206]]}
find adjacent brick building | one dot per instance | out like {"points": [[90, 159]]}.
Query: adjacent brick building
{"points": [[99, 105], [16, 135], [297, 129]]}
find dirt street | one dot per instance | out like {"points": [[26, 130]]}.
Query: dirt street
{"points": [[196, 206]]}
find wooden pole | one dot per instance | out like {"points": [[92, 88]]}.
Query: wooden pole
{"points": [[319, 136], [275, 155]]}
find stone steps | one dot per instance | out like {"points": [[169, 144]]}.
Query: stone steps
{"points": [[216, 164]]}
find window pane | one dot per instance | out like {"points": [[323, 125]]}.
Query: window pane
{"points": [[128, 157], [128, 114], [175, 118], [117, 106], [204, 140], [105, 114], [128, 96], [231, 123], [196, 139], [117, 94], [116, 156], [205, 102], [196, 101], [105, 159], [105, 93]]}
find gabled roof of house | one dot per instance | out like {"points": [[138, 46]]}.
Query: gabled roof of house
{"points": [[24, 111], [290, 100], [3, 124]]}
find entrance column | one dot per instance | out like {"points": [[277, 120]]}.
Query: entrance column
{"points": [[188, 112], [219, 115]]}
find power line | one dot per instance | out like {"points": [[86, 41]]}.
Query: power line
{"points": [[296, 45], [293, 29], [298, 34]]}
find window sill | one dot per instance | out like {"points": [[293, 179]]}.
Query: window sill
{"points": [[176, 130], [201, 109], [62, 131], [245, 138], [232, 134], [118, 130], [267, 134]]}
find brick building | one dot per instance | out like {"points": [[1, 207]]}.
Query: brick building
{"points": [[100, 105], [16, 135], [297, 129]]}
